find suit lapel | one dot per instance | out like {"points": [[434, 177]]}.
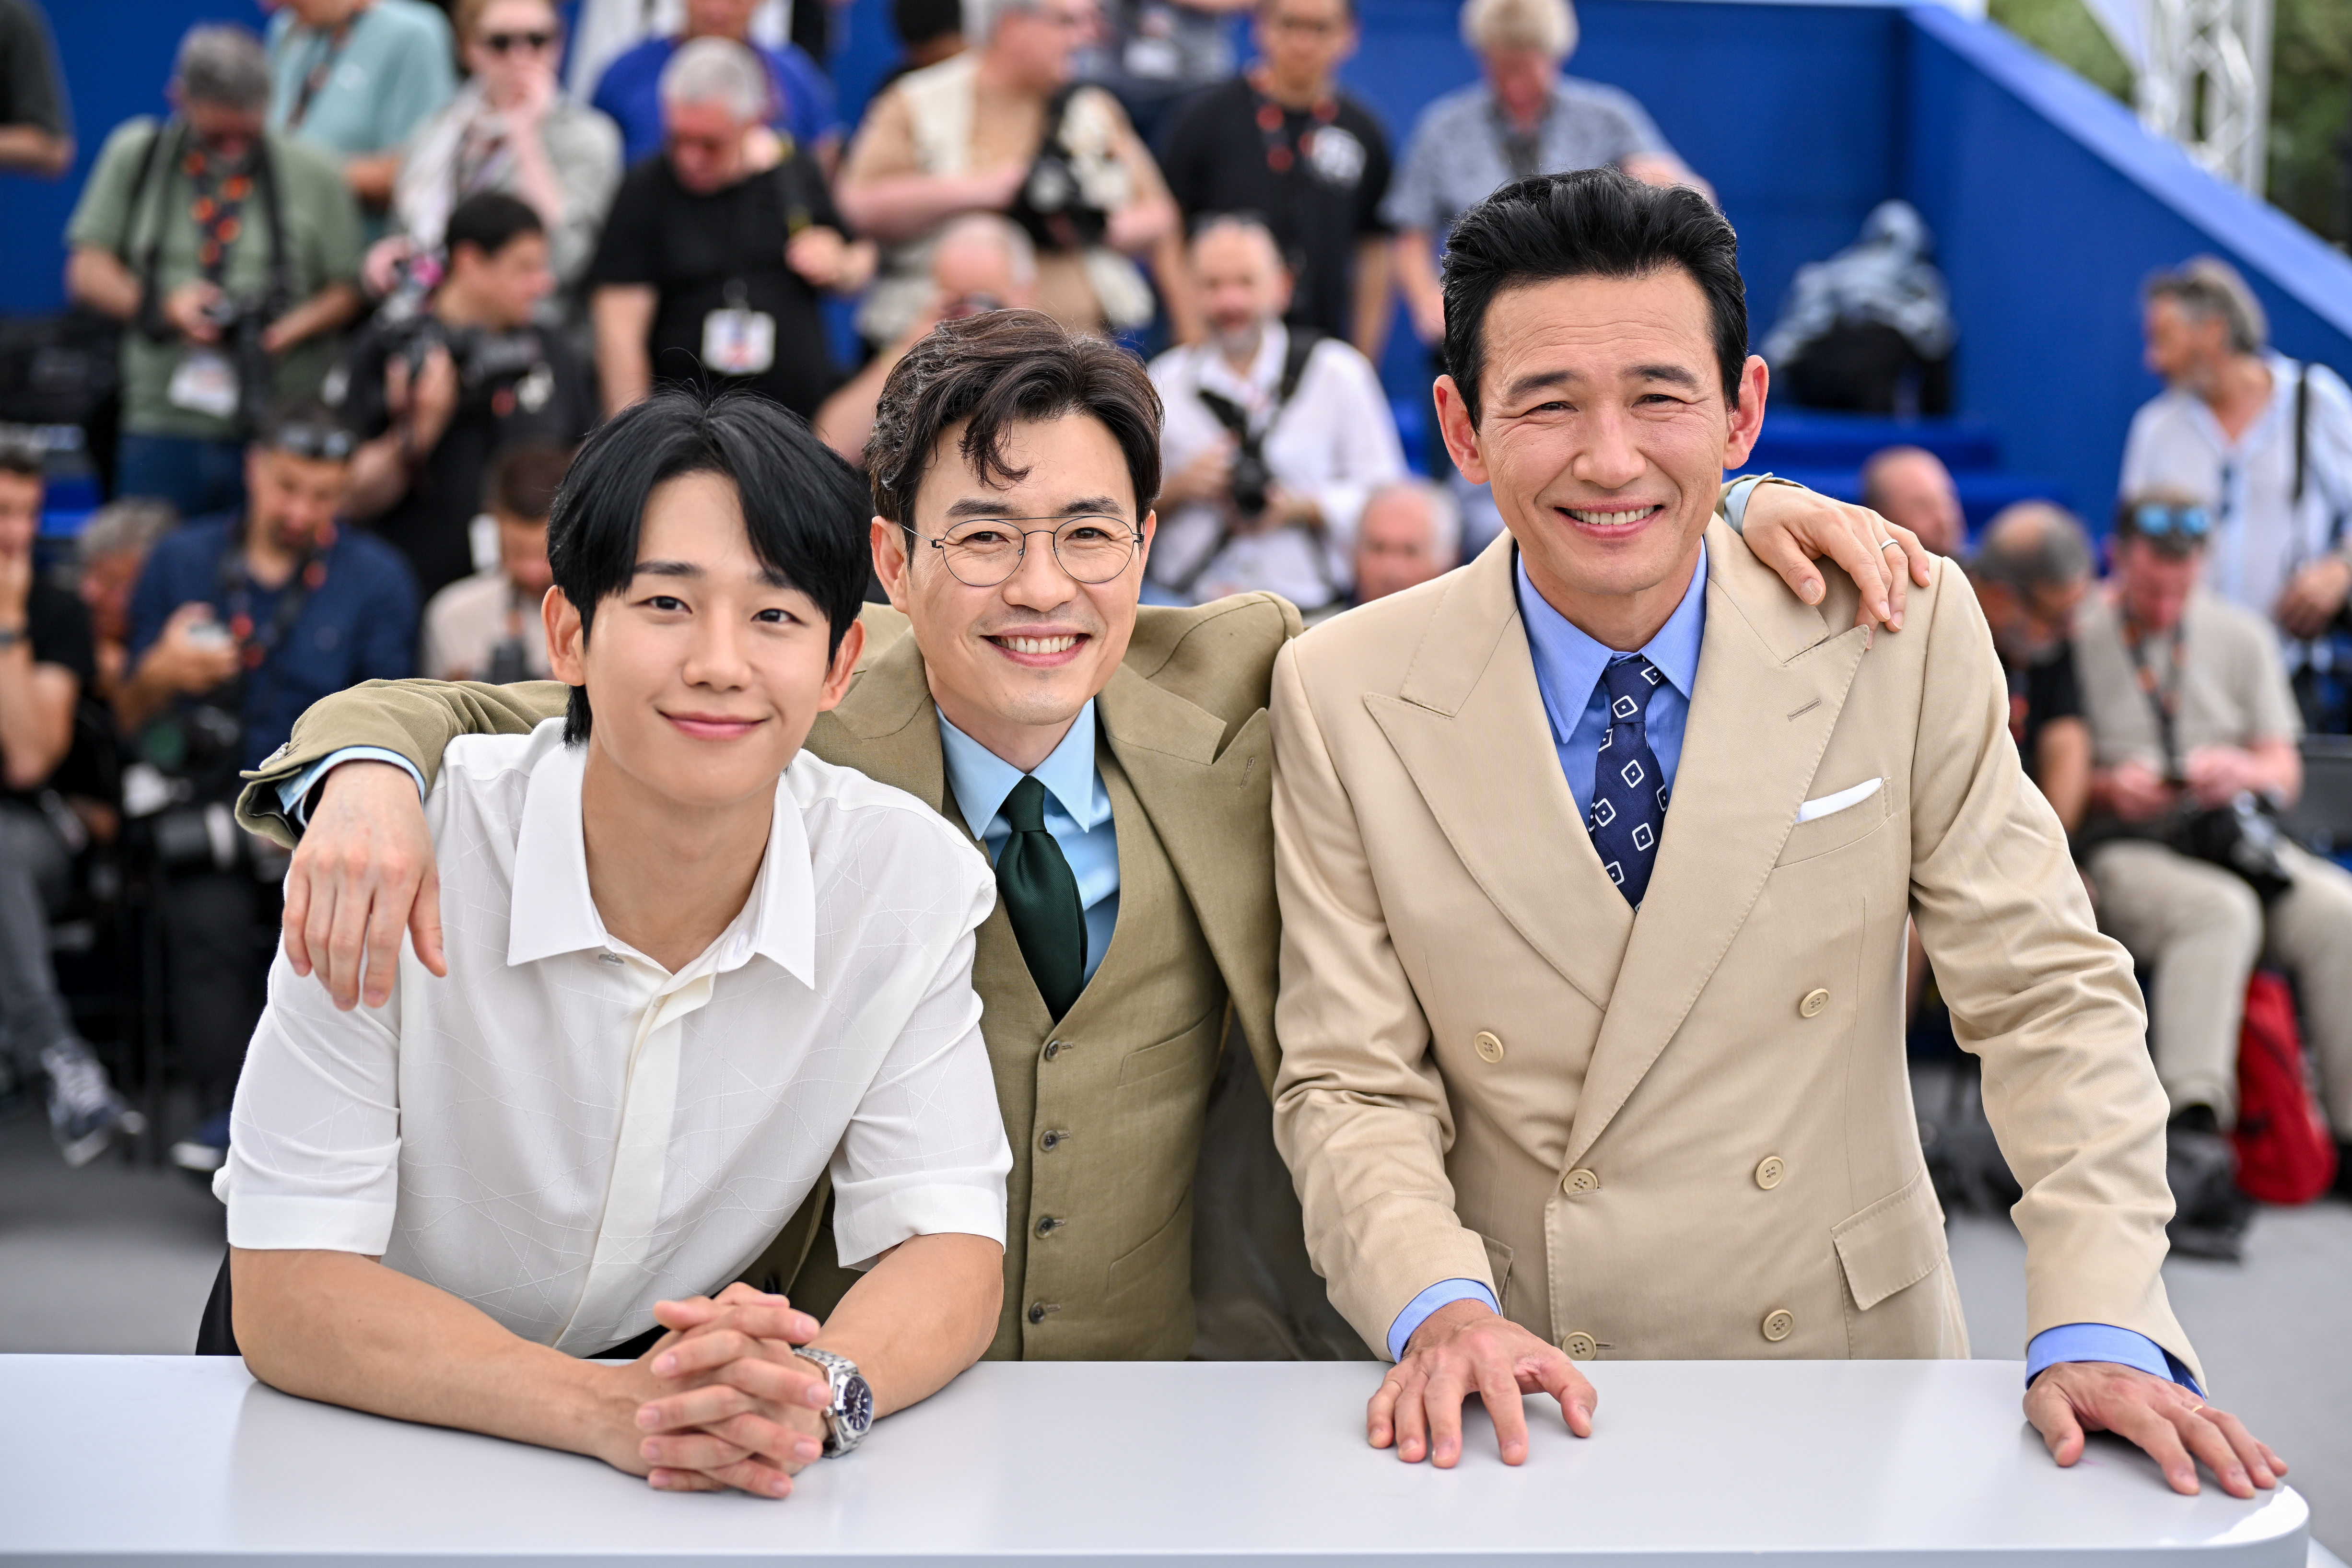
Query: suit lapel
{"points": [[1469, 725], [1771, 682]]}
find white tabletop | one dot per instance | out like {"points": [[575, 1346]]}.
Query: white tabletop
{"points": [[159, 1458]]}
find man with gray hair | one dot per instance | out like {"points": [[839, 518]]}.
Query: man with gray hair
{"points": [[2031, 573], [715, 253], [1410, 531], [109, 553], [230, 251], [2264, 441]]}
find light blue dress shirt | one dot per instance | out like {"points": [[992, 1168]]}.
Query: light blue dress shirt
{"points": [[1569, 666], [1077, 815]]}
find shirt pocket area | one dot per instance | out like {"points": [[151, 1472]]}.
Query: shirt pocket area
{"points": [[1192, 1047]]}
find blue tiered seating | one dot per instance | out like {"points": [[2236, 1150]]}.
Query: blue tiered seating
{"points": [[1826, 451]]}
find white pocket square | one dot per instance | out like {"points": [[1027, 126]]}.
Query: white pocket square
{"points": [[1829, 804]]}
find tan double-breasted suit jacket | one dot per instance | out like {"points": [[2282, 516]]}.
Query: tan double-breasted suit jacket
{"points": [[1105, 1110], [1687, 1133]]}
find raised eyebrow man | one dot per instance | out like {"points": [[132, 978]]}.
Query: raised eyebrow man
{"points": [[691, 973], [1594, 861], [1112, 760]]}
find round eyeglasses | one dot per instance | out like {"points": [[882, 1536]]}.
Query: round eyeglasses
{"points": [[982, 552]]}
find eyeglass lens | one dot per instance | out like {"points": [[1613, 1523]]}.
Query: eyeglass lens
{"points": [[984, 553]]}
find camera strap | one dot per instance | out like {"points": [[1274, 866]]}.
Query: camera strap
{"points": [[2163, 693], [221, 229], [1251, 441]]}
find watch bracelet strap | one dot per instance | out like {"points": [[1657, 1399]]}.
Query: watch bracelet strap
{"points": [[834, 1366]]}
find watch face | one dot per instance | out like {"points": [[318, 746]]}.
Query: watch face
{"points": [[857, 1405]]}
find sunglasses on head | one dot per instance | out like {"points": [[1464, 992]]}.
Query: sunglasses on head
{"points": [[501, 43], [313, 443], [2156, 520]]}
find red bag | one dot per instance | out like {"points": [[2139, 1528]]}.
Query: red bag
{"points": [[2286, 1152]]}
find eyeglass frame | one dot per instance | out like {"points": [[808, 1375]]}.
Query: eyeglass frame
{"points": [[940, 543], [2192, 522]]}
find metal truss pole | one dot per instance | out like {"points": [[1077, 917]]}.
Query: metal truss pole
{"points": [[2206, 83]]}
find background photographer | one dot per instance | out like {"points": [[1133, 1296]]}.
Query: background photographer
{"points": [[2190, 710], [438, 393], [1273, 437], [715, 252], [45, 664], [230, 251], [488, 627], [238, 624], [1000, 128]]}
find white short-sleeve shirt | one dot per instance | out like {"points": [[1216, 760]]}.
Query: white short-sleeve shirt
{"points": [[563, 1133]]}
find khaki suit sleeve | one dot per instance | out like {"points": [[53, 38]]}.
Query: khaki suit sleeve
{"points": [[1360, 1111], [414, 719], [2047, 1002]]}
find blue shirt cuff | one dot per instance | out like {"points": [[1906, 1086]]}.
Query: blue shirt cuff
{"points": [[1417, 1311], [2101, 1342], [295, 793]]}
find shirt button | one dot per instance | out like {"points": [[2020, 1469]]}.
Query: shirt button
{"points": [[1770, 1171], [1579, 1181], [1779, 1324], [1049, 1142], [1810, 1007], [1488, 1046], [1580, 1346], [1049, 1225]]}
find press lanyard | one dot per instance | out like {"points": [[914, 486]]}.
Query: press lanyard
{"points": [[1280, 156], [236, 587], [218, 209], [2163, 695], [322, 69]]}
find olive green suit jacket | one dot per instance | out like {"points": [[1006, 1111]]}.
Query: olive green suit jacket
{"points": [[1105, 1110]]}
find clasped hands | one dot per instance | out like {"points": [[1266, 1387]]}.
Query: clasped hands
{"points": [[722, 1400], [1464, 1348]]}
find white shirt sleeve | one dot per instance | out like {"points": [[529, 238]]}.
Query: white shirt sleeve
{"points": [[1366, 452], [925, 1152], [2139, 452], [314, 1139], [2327, 452]]}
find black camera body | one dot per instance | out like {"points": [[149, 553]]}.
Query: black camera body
{"points": [[1250, 479], [482, 358], [241, 321]]}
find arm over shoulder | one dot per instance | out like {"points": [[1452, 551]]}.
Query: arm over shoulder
{"points": [[414, 719], [2047, 1001]]}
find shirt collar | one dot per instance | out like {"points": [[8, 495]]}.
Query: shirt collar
{"points": [[1568, 662], [553, 913], [981, 779]]}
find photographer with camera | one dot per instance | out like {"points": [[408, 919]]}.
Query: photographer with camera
{"points": [[1275, 436], [238, 624], [1003, 128], [2193, 733], [440, 385], [229, 250]]}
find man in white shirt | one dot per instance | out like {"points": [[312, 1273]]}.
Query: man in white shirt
{"points": [[488, 627], [2264, 441], [1273, 438], [689, 970]]}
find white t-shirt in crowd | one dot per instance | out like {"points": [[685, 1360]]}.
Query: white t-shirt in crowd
{"points": [[563, 1134], [2261, 538]]}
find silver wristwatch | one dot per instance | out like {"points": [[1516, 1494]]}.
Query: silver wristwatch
{"points": [[851, 1415]]}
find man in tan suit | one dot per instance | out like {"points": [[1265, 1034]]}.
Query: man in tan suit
{"points": [[1008, 457], [1595, 859]]}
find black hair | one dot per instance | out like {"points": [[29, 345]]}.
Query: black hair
{"points": [[1592, 223], [803, 505], [23, 452], [920, 21], [489, 221], [998, 370]]}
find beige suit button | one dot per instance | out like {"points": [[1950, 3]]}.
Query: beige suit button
{"points": [[1579, 1181], [1770, 1171], [1779, 1324], [1810, 1007], [1488, 1046], [1580, 1346]]}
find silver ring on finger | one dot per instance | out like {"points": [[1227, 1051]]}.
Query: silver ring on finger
{"points": [[1890, 542]]}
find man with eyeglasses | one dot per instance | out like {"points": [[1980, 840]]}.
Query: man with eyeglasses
{"points": [[2190, 711], [238, 623], [1114, 763]]}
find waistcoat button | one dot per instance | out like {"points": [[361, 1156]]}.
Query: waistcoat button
{"points": [[1049, 1142]]}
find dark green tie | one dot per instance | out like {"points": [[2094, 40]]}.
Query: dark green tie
{"points": [[1040, 900]]}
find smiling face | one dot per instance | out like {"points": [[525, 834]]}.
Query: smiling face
{"points": [[1605, 433], [705, 670], [1012, 665]]}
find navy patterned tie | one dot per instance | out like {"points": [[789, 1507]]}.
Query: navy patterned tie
{"points": [[1628, 791]]}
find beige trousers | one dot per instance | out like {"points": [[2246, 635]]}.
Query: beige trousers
{"points": [[2202, 931]]}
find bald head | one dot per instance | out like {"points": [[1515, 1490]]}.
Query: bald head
{"points": [[1243, 287], [1910, 486]]}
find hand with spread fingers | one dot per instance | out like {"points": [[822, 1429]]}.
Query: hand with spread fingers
{"points": [[1465, 1348], [746, 1412], [1788, 528], [2173, 1423]]}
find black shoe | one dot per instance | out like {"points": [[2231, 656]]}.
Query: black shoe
{"points": [[2210, 1215], [85, 1113], [2343, 1169]]}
